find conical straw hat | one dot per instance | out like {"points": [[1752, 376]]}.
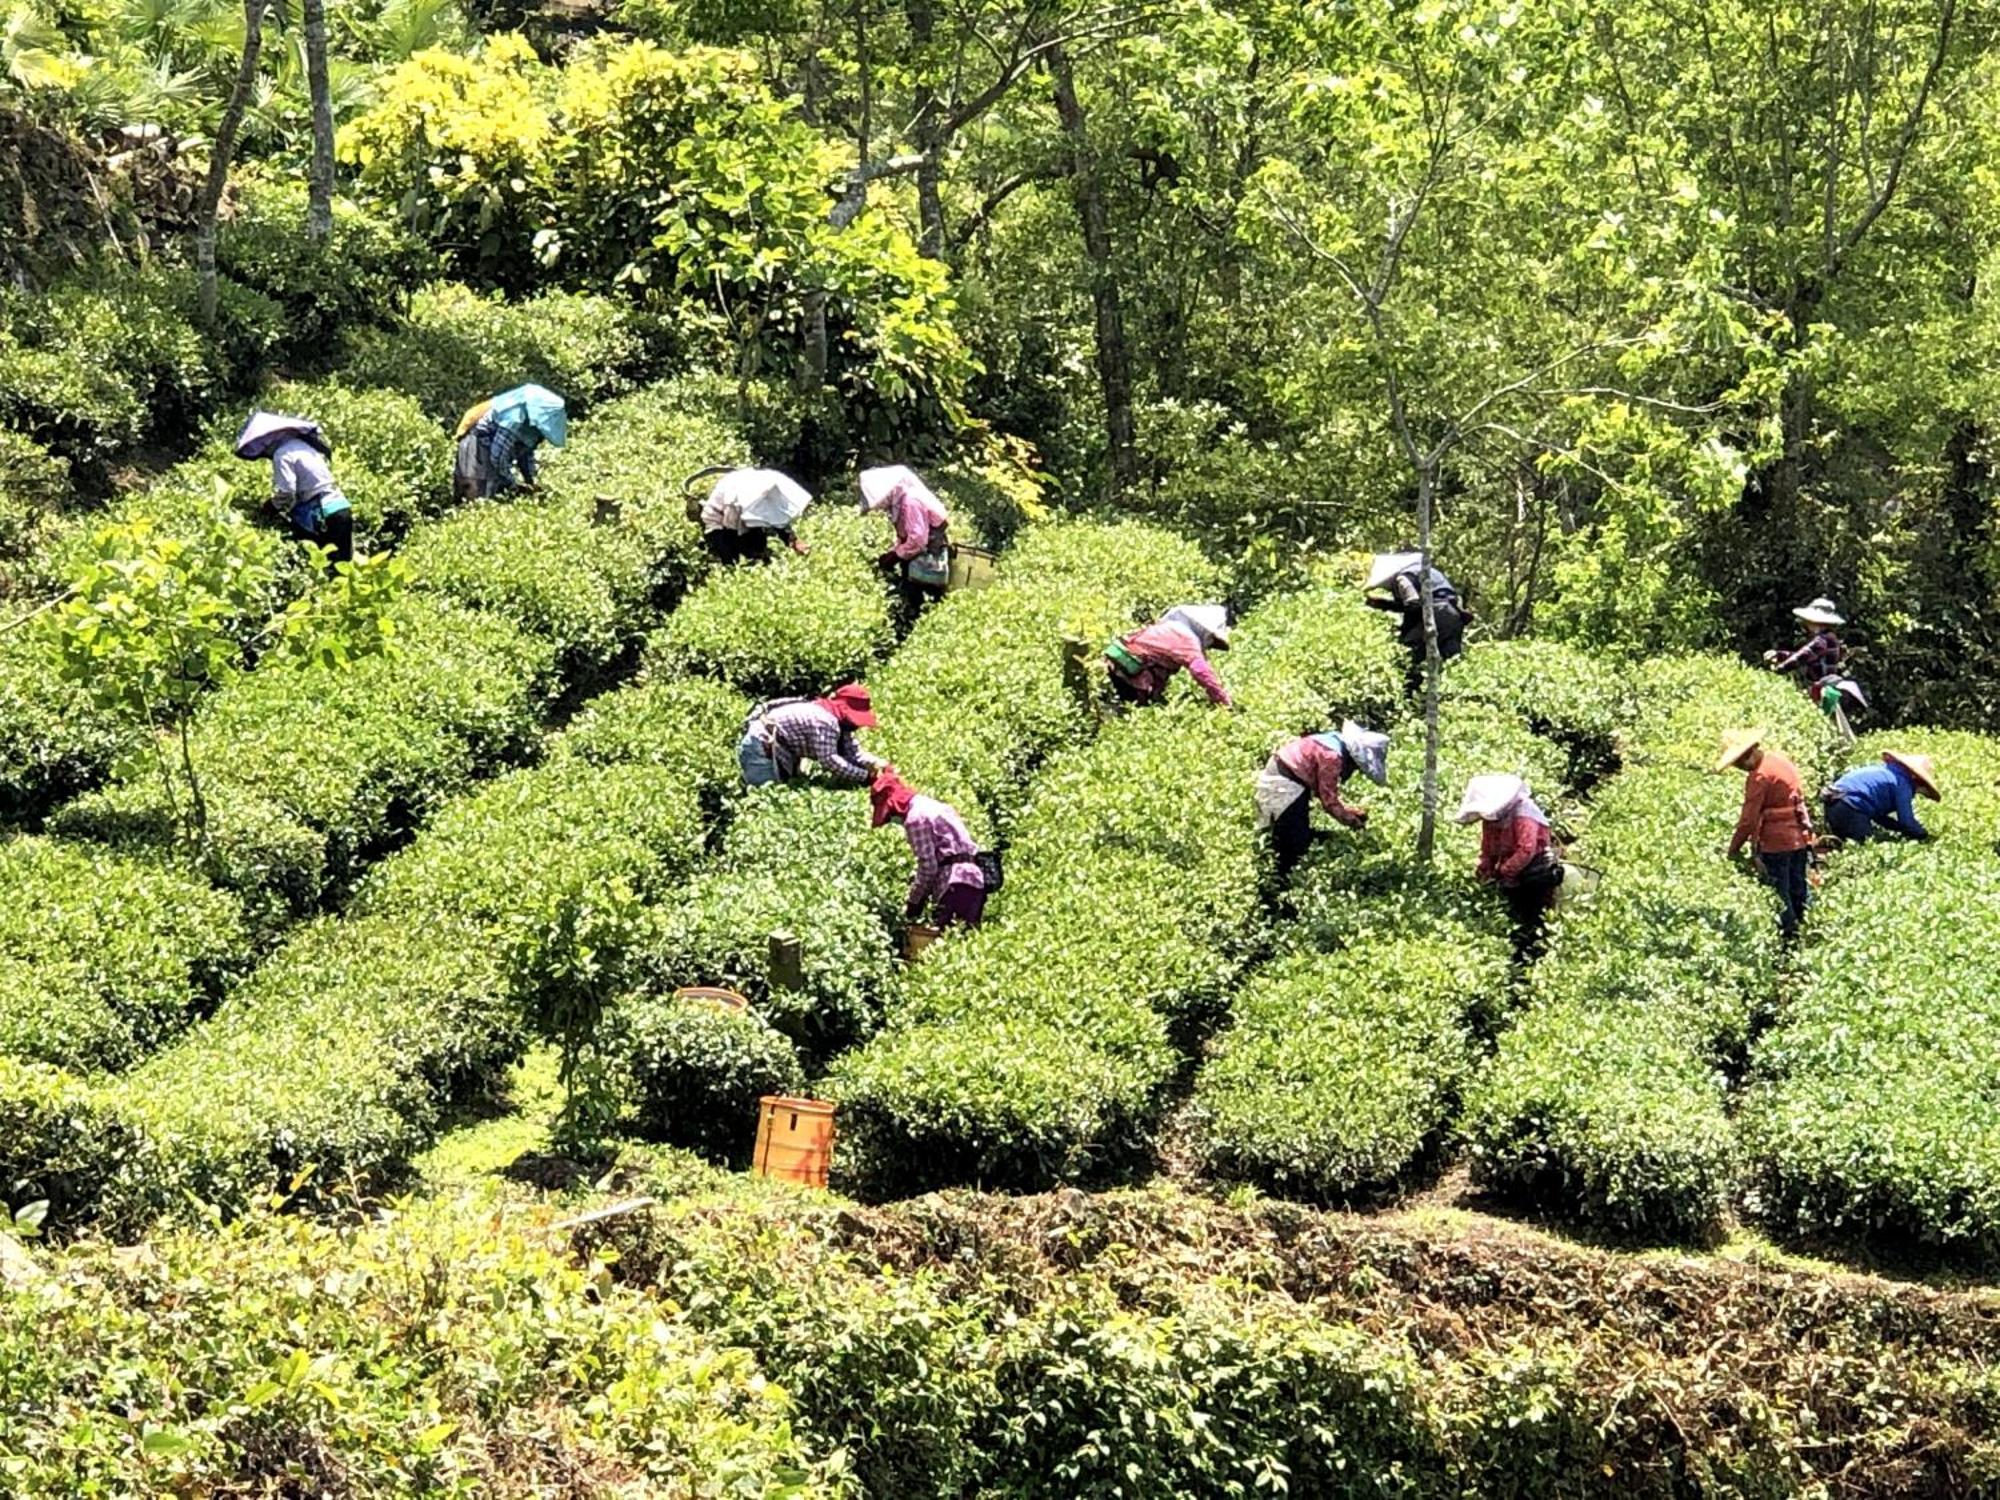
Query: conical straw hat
{"points": [[1922, 769], [1736, 744]]}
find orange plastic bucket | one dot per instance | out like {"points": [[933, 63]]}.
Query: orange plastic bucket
{"points": [[711, 995], [794, 1139]]}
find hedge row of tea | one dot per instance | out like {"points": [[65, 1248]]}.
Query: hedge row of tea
{"points": [[1606, 1101], [802, 861], [1870, 1117], [1037, 1048], [1343, 1064]]}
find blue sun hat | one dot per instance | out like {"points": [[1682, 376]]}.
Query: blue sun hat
{"points": [[534, 406], [1368, 749]]}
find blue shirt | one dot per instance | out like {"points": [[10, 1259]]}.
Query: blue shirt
{"points": [[1886, 793]]}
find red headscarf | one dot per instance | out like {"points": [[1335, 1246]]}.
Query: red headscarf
{"points": [[851, 704], [890, 796]]}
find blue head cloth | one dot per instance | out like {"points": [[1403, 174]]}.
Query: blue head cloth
{"points": [[1367, 750], [534, 406]]}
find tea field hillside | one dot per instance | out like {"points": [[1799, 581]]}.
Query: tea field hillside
{"points": [[357, 1137]]}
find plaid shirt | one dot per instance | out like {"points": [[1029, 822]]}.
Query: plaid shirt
{"points": [[1319, 769], [1822, 654], [1507, 846], [1164, 648], [944, 852], [508, 449], [806, 731]]}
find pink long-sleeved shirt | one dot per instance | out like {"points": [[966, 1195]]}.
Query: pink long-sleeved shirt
{"points": [[1319, 769], [914, 518], [1165, 648]]}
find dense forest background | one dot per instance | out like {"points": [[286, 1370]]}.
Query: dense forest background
{"points": [[1682, 313]]}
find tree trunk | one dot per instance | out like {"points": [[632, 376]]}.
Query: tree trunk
{"points": [[927, 110], [1114, 358], [319, 181], [1433, 664], [209, 207]]}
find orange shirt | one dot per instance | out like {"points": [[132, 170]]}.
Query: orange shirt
{"points": [[1774, 817]]}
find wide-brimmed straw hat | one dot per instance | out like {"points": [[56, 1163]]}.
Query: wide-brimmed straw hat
{"points": [[1922, 769], [1736, 744], [1489, 797], [1819, 612]]}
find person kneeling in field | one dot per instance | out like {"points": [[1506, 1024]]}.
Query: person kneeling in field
{"points": [[1517, 852], [1884, 796], [784, 733], [952, 870], [1774, 823], [1143, 662], [1316, 764]]}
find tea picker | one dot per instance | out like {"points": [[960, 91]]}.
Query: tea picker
{"points": [[1397, 572], [1517, 853], [953, 875], [1774, 823], [745, 508], [1823, 653], [1315, 765], [1143, 662], [921, 556], [498, 438], [302, 485], [781, 734], [1881, 797]]}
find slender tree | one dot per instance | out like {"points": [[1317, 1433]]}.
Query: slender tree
{"points": [[221, 151], [319, 180]]}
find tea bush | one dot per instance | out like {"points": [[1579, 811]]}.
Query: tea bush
{"points": [[796, 625], [1340, 1071], [104, 958], [1035, 1049], [353, 757], [420, 1353], [689, 724], [359, 275], [455, 346], [54, 740], [700, 1071], [1868, 1120], [35, 497], [975, 698], [1608, 1100], [1570, 696]]}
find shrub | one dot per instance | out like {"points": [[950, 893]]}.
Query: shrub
{"points": [[1685, 704], [339, 1054], [359, 275], [34, 494], [700, 1071], [54, 740], [455, 347], [975, 698], [1868, 1120], [800, 624], [356, 756], [1340, 1072], [1570, 696], [687, 723], [102, 958]]}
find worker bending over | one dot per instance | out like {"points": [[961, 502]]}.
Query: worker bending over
{"points": [[781, 735], [497, 440], [1316, 764], [1399, 573], [1517, 852], [745, 509], [302, 486], [950, 877], [921, 556], [1774, 823], [1143, 662], [1882, 796]]}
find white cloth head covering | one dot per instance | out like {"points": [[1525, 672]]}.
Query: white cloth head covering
{"points": [[1389, 565], [1491, 798], [754, 497], [1819, 612], [877, 485], [1368, 749], [1208, 622]]}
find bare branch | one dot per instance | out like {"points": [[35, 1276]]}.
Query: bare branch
{"points": [[1911, 124]]}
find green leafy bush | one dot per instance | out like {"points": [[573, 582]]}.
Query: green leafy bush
{"points": [[1685, 704], [1869, 1118], [700, 1071], [419, 1353], [360, 275], [1340, 1072], [454, 347], [687, 723], [54, 741], [34, 495], [102, 958], [800, 624], [1567, 694]]}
